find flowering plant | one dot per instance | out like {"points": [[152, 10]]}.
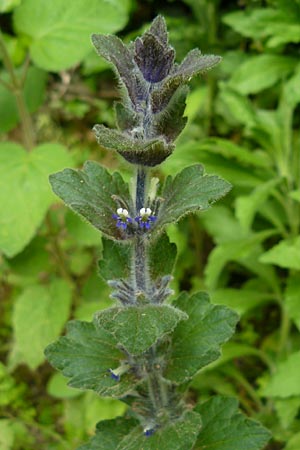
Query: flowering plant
{"points": [[145, 350]]}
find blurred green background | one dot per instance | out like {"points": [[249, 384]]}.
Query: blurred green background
{"points": [[243, 124]]}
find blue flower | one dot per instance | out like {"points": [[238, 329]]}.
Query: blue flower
{"points": [[122, 218], [145, 219], [115, 374], [149, 432]]}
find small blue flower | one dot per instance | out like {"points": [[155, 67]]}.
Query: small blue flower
{"points": [[115, 374], [149, 432], [122, 218], [145, 219]]}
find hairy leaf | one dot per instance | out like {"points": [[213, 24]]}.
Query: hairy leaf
{"points": [[177, 435], [188, 192], [196, 342], [148, 323], [115, 262], [225, 428], [90, 192], [137, 151], [109, 434], [162, 256], [85, 355]]}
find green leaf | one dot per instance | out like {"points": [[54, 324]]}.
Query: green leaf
{"points": [[148, 323], [292, 299], [240, 250], [109, 434], [59, 35], [8, 5], [177, 435], [115, 261], [225, 428], [261, 72], [197, 341], [34, 93], [89, 192], [162, 257], [39, 316], [6, 434], [24, 182], [81, 232], [188, 192], [293, 443], [285, 382], [287, 410], [85, 355], [232, 151], [146, 152], [277, 26], [57, 387], [240, 300], [248, 205], [285, 254]]}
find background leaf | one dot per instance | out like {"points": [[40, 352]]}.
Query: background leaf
{"points": [[39, 316], [23, 182], [59, 34]]}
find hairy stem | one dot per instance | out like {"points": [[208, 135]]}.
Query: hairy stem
{"points": [[16, 87]]}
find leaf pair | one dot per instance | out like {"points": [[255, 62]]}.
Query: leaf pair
{"points": [[95, 195]]}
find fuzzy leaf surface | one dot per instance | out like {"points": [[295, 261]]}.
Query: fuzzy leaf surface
{"points": [[89, 192], [148, 323], [147, 152], [197, 341], [191, 190], [115, 262], [109, 434], [225, 428], [179, 434], [162, 257], [85, 355]]}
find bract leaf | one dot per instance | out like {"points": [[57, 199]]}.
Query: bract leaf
{"points": [[225, 428], [177, 435], [196, 342], [188, 192], [85, 355], [146, 152], [109, 433], [89, 192], [148, 323]]}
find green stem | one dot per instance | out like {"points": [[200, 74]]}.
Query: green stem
{"points": [[16, 87]]}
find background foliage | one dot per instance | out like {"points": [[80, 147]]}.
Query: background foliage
{"points": [[243, 123]]}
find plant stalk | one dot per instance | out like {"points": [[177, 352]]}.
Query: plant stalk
{"points": [[16, 87]]}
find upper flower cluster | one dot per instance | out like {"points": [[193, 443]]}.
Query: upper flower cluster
{"points": [[150, 115]]}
